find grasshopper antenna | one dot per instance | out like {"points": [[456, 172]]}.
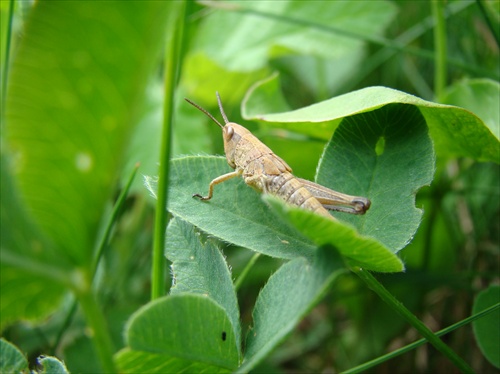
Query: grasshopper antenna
{"points": [[208, 114], [221, 108]]}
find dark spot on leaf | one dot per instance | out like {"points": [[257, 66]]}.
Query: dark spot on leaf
{"points": [[223, 336]]}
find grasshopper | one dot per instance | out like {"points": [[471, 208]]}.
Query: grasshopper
{"points": [[268, 173]]}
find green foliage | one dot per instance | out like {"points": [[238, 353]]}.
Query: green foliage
{"points": [[243, 218], [487, 330], [204, 333], [393, 219], [454, 131], [288, 295], [359, 250], [275, 39], [29, 278], [84, 117], [84, 91], [201, 269], [73, 96], [12, 360], [65, 135], [186, 327], [51, 365]]}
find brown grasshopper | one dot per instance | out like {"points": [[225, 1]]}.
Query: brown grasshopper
{"points": [[268, 173]]}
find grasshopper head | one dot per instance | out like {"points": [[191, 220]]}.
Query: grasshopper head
{"points": [[231, 132]]}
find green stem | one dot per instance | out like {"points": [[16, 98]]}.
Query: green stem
{"points": [[100, 336], [440, 71], [432, 217], [388, 298], [173, 58], [245, 271], [111, 221], [418, 343], [406, 38], [494, 30], [64, 327], [5, 71]]}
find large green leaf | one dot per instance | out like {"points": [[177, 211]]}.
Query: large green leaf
{"points": [[29, 296], [201, 269], [454, 131], [235, 214], [387, 156], [182, 329], [30, 282], [287, 297], [74, 88]]}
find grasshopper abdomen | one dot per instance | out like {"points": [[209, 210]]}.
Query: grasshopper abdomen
{"points": [[288, 188]]}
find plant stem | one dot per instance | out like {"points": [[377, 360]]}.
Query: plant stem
{"points": [[65, 325], [245, 271], [418, 343], [440, 71], [173, 58], [388, 298], [406, 38], [494, 30], [6, 61], [111, 221], [100, 335]]}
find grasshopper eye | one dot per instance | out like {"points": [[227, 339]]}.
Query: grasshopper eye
{"points": [[229, 132]]}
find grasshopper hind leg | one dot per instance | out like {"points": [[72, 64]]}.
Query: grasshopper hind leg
{"points": [[217, 180]]}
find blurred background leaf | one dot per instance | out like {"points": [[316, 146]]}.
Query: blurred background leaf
{"points": [[487, 330], [352, 45], [76, 85], [71, 105]]}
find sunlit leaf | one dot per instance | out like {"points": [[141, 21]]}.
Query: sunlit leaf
{"points": [[454, 131], [75, 84]]}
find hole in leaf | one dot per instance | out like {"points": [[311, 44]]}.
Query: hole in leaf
{"points": [[223, 336], [380, 146]]}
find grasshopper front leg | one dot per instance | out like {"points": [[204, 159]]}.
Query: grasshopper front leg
{"points": [[218, 180]]}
